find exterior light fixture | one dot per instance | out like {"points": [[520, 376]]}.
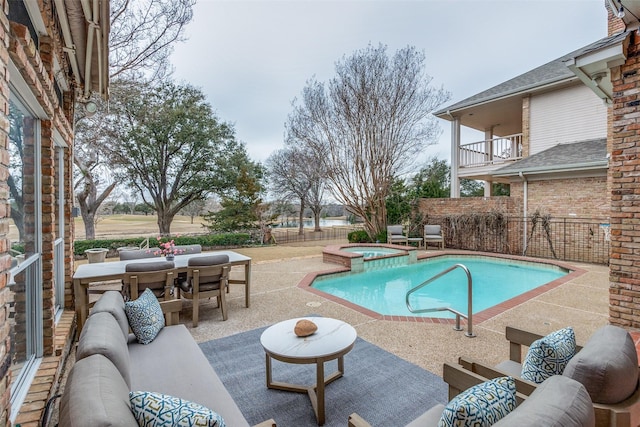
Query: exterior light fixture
{"points": [[90, 107], [621, 12]]}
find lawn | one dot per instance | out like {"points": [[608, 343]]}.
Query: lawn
{"points": [[138, 226]]}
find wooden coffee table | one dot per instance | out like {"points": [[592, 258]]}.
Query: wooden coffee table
{"points": [[333, 339]]}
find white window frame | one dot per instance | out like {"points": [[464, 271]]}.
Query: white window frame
{"points": [[22, 96]]}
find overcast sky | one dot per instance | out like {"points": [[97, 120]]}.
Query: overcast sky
{"points": [[252, 58]]}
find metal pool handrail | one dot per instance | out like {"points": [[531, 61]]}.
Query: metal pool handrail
{"points": [[469, 316]]}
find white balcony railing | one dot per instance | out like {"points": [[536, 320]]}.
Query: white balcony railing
{"points": [[491, 151]]}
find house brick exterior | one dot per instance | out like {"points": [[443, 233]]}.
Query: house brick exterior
{"points": [[625, 192], [34, 61]]}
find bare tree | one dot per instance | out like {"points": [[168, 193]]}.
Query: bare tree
{"points": [[295, 172], [368, 125], [142, 34], [194, 209]]}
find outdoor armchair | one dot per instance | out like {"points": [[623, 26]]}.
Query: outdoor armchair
{"points": [[606, 365], [395, 234], [433, 234], [158, 276], [207, 277], [559, 401]]}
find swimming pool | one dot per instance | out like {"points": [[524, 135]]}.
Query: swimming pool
{"points": [[495, 280]]}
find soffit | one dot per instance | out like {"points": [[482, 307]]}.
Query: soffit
{"points": [[85, 26]]}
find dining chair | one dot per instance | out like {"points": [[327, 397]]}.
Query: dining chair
{"points": [[159, 276], [207, 277]]}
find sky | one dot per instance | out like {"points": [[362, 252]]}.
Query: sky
{"points": [[253, 58]]}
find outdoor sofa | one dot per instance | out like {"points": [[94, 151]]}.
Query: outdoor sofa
{"points": [[110, 362], [557, 402], [607, 365]]}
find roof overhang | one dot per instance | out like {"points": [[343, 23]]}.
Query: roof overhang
{"points": [[85, 28], [581, 169], [593, 67], [503, 114]]}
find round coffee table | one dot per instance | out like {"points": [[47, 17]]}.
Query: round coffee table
{"points": [[333, 339]]}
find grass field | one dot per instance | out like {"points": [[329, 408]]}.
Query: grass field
{"points": [[138, 226]]}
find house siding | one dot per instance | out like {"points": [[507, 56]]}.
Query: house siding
{"points": [[566, 115]]}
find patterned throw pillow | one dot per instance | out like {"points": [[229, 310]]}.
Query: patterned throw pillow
{"points": [[481, 405], [145, 316], [549, 355], [158, 410]]}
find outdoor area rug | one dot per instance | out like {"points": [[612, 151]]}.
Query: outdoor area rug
{"points": [[381, 387]]}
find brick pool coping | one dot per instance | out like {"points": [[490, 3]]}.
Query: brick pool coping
{"points": [[574, 272]]}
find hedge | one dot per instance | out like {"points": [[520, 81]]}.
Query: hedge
{"points": [[206, 241]]}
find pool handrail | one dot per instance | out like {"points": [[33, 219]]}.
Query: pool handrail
{"points": [[469, 315]]}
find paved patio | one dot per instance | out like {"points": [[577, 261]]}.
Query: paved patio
{"points": [[275, 296]]}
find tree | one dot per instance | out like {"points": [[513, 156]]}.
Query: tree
{"points": [[295, 173], [432, 181], [194, 209], [242, 206], [171, 148], [140, 39], [367, 126]]}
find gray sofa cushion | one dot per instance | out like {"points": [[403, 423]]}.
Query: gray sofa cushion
{"points": [[208, 260], [607, 365], [102, 335], [95, 395], [139, 254], [429, 418], [197, 381], [557, 402], [113, 303]]}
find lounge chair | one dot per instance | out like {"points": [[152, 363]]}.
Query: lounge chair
{"points": [[395, 234], [433, 234], [559, 401], [607, 366]]}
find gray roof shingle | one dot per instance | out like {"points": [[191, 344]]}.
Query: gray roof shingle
{"points": [[550, 72], [584, 154]]}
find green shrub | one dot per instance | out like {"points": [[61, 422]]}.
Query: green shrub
{"points": [[359, 236], [207, 241]]}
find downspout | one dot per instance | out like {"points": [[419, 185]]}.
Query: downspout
{"points": [[524, 211]]}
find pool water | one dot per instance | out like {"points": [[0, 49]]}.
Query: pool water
{"points": [[495, 280], [371, 252]]}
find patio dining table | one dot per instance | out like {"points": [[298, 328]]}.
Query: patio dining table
{"points": [[103, 271]]}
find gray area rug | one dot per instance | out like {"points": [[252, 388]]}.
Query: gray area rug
{"points": [[381, 387]]}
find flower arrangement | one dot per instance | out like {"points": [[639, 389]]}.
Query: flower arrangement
{"points": [[167, 248]]}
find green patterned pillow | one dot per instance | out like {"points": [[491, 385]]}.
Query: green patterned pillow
{"points": [[159, 410], [481, 405], [549, 355], [145, 316]]}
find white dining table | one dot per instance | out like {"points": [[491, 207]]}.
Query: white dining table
{"points": [[86, 274]]}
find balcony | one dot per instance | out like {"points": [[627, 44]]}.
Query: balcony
{"points": [[496, 151]]}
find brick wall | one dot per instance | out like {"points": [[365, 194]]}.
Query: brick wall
{"points": [[624, 169], [577, 197], [468, 205], [5, 259]]}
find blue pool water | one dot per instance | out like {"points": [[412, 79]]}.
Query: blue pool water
{"points": [[494, 281], [371, 252]]}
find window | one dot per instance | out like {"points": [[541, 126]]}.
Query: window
{"points": [[25, 233]]}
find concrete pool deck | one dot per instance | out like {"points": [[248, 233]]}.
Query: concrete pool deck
{"points": [[581, 302]]}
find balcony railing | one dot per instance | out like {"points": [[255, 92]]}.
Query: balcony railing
{"points": [[491, 151]]}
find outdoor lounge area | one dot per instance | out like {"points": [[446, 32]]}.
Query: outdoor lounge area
{"points": [[276, 296]]}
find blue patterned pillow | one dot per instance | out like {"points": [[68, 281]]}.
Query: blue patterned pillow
{"points": [[549, 355], [158, 410], [145, 316], [481, 405]]}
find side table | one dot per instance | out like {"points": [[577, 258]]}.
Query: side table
{"points": [[333, 339]]}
